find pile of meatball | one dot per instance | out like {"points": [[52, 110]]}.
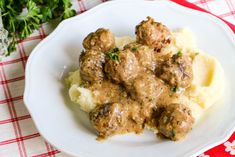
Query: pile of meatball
{"points": [[147, 75]]}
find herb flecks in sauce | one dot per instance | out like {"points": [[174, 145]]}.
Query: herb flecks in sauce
{"points": [[82, 52], [134, 49], [113, 54], [179, 54], [135, 81], [174, 89]]}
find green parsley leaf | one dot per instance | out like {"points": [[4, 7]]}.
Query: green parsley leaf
{"points": [[113, 54], [134, 49], [83, 51], [179, 53], [174, 89], [30, 21], [115, 49], [67, 12], [173, 133], [21, 24]]}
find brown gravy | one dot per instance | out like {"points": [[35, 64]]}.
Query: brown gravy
{"points": [[136, 86]]}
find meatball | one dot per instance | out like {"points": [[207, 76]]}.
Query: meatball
{"points": [[176, 71], [160, 59], [91, 65], [144, 55], [146, 88], [116, 118], [123, 69], [175, 121], [107, 92], [107, 118], [153, 34], [101, 40]]}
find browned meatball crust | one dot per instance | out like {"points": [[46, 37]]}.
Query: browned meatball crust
{"points": [[146, 88], [100, 40], [153, 34], [176, 71], [144, 55], [107, 118], [137, 86], [124, 69], [91, 65], [116, 118], [175, 121], [107, 92]]}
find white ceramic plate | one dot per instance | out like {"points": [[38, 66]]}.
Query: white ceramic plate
{"points": [[66, 127]]}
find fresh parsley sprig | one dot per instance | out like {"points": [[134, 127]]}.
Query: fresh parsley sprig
{"points": [[22, 17], [29, 22]]}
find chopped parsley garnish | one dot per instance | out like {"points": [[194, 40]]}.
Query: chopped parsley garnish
{"points": [[179, 53], [113, 54], [174, 89], [134, 49], [83, 51], [195, 54], [173, 132], [115, 49]]}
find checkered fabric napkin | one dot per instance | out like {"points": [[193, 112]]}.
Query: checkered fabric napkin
{"points": [[18, 135]]}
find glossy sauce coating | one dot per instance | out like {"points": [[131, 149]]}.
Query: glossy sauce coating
{"points": [[133, 87]]}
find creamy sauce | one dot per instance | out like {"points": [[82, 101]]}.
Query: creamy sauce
{"points": [[132, 84], [148, 82]]}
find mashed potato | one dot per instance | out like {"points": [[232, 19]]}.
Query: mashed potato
{"points": [[73, 78], [205, 90], [82, 96], [208, 81], [77, 94]]}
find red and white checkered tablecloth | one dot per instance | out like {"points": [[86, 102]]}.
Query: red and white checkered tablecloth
{"points": [[18, 135]]}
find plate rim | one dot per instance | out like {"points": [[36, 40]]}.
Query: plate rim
{"points": [[226, 29]]}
